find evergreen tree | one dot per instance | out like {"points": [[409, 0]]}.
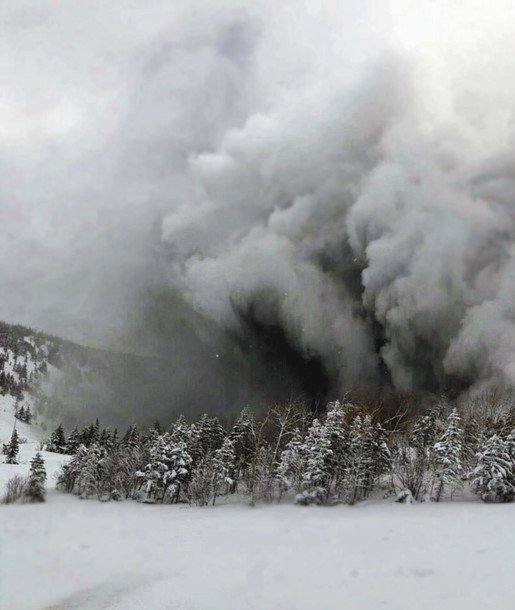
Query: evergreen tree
{"points": [[448, 453], [336, 426], [90, 473], [71, 471], [380, 456], [106, 439], [57, 443], [318, 455], [167, 471], [224, 461], [291, 465], [179, 472], [204, 431], [243, 436], [153, 475], [194, 444], [510, 445], [216, 434], [12, 449], [358, 476], [473, 439], [211, 433], [493, 479], [131, 438], [91, 434], [36, 482], [73, 442], [179, 430], [423, 434]]}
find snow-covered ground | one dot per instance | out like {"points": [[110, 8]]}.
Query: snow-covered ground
{"points": [[82, 554], [70, 553]]}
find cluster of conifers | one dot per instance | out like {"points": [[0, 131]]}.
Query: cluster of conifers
{"points": [[344, 455]]}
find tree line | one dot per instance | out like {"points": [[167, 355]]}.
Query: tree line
{"points": [[343, 455]]}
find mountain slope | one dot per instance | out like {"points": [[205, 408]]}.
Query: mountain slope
{"points": [[63, 382]]}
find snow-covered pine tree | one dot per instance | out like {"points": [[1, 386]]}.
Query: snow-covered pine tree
{"points": [[179, 472], [204, 429], [167, 471], [35, 490], [368, 458], [423, 432], [448, 452], [89, 478], [179, 430], [510, 446], [224, 460], [106, 439], [493, 479], [291, 465], [73, 442], [380, 454], [243, 436], [317, 454], [12, 449], [57, 443], [70, 471], [211, 433], [337, 429], [473, 440], [131, 437], [511, 417], [358, 478], [90, 434], [194, 444], [152, 477]]}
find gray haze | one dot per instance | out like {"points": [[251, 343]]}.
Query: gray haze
{"points": [[178, 178]]}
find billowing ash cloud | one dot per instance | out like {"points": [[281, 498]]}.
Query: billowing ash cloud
{"points": [[275, 196], [373, 231]]}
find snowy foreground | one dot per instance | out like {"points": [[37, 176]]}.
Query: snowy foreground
{"points": [[69, 553]]}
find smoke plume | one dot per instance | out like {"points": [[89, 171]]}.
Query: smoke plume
{"points": [[306, 197]]}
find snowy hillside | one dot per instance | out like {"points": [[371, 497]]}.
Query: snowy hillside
{"points": [[25, 372], [64, 382], [31, 437]]}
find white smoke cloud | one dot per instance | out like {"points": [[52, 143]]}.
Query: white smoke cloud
{"points": [[365, 176], [344, 171]]}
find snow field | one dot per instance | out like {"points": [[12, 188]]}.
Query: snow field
{"points": [[71, 553]]}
